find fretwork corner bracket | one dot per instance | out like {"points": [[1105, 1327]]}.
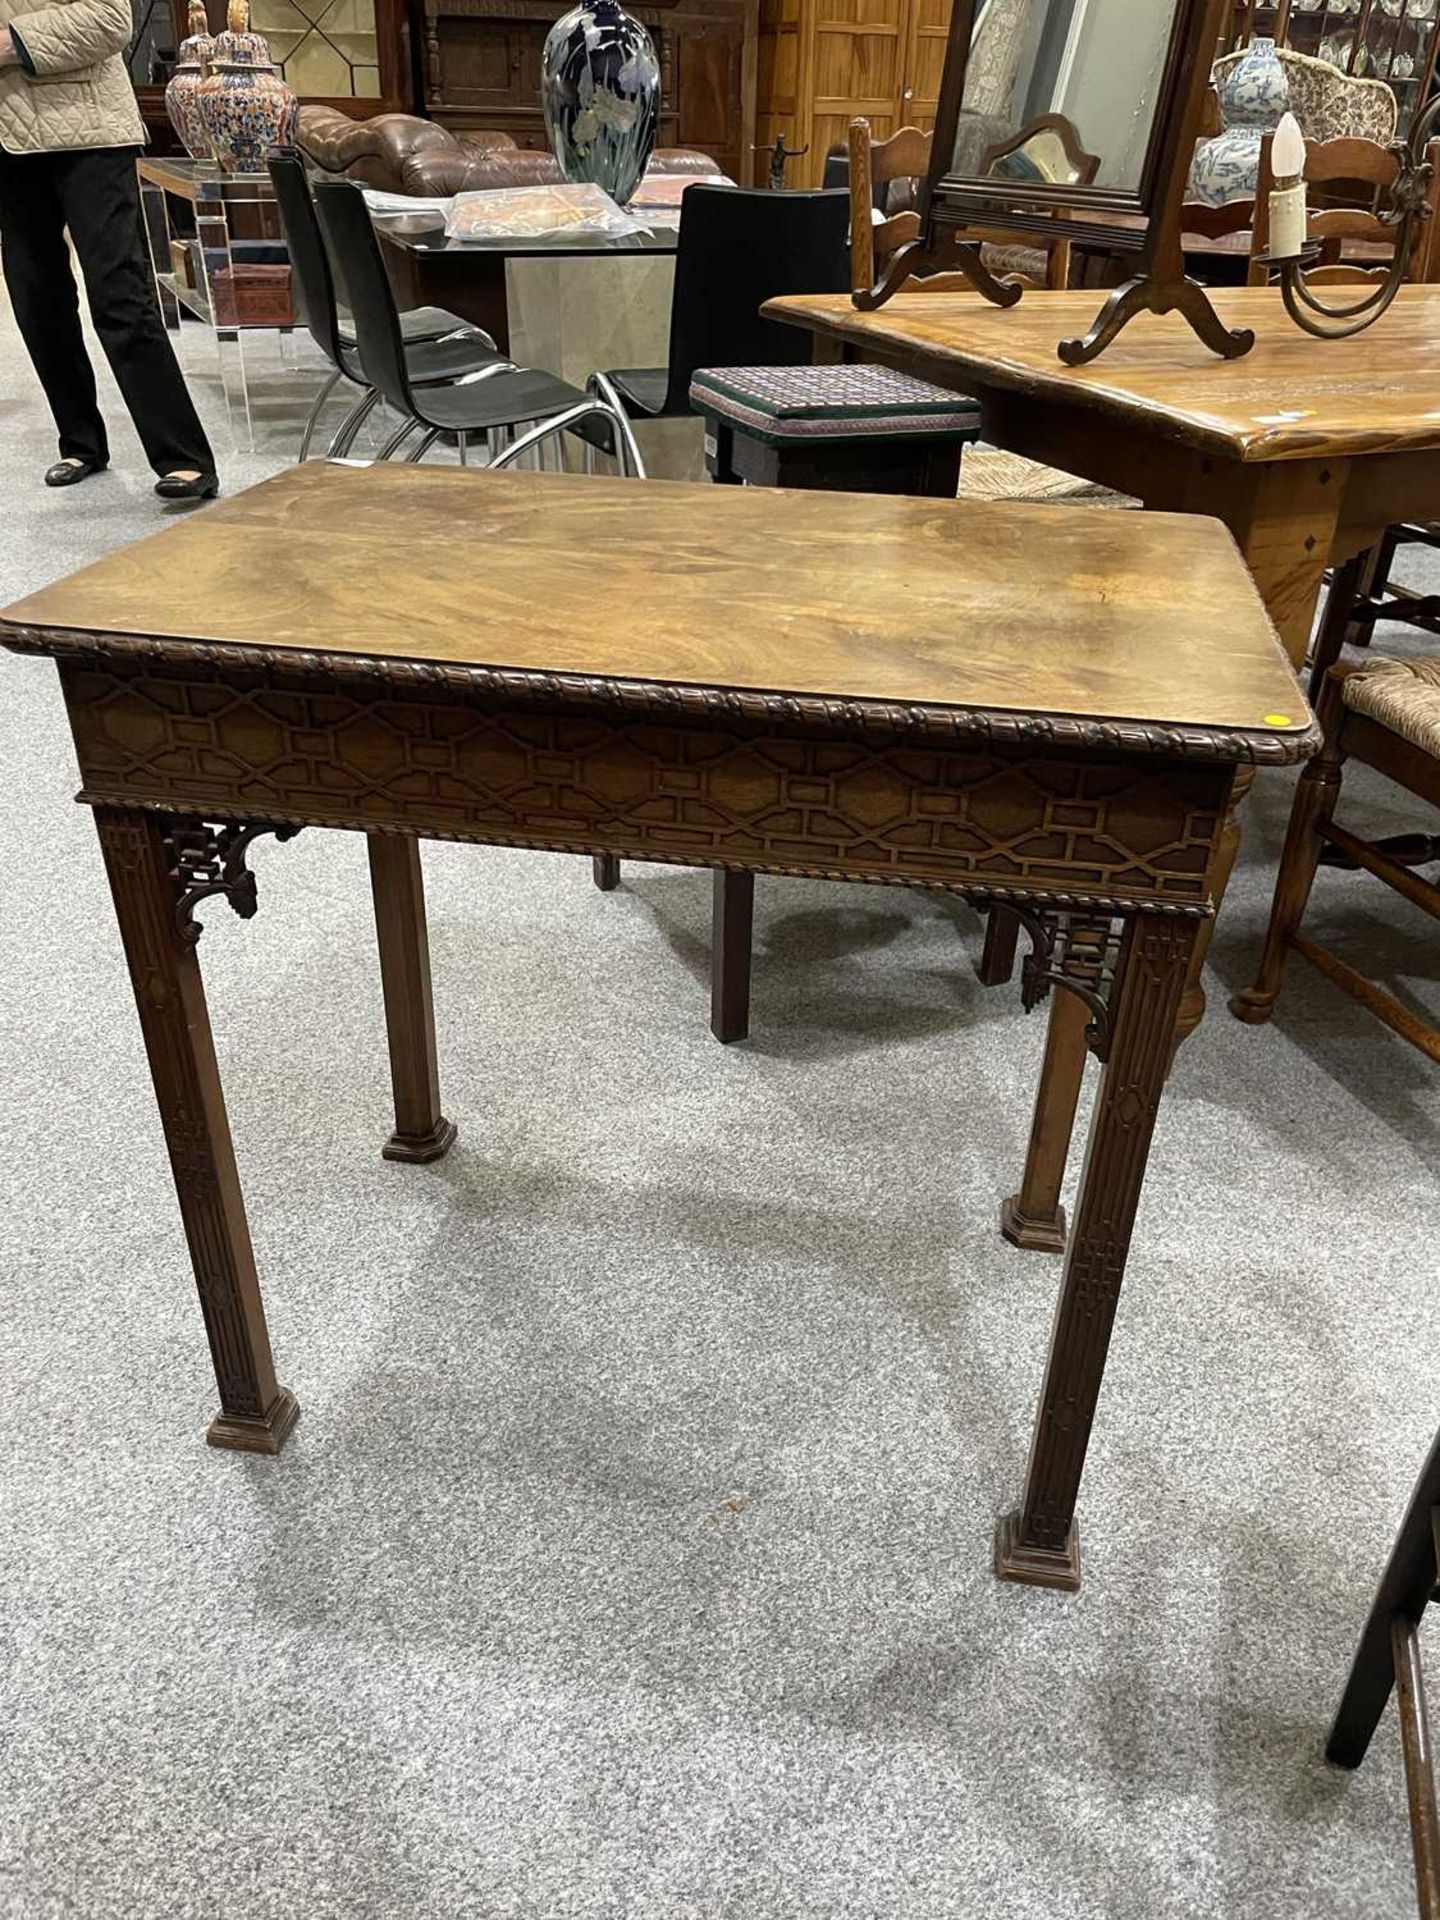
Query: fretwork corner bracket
{"points": [[206, 859], [1079, 952]]}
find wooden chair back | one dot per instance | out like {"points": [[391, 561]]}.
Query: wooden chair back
{"points": [[1083, 166], [1236, 217], [1217, 223], [1362, 172], [905, 157]]}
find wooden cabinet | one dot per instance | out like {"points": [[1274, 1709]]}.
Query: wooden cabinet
{"points": [[482, 71], [822, 62]]}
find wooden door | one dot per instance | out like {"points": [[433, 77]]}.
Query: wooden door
{"points": [[715, 43], [927, 29], [781, 92], [857, 68]]}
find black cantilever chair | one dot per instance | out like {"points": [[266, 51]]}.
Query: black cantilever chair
{"points": [[738, 248], [490, 403], [438, 345]]}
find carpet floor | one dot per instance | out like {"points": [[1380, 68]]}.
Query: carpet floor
{"points": [[631, 1557]]}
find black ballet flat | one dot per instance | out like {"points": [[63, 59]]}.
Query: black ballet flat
{"points": [[172, 487], [65, 473]]}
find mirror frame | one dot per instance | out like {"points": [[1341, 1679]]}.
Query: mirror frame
{"points": [[1146, 221], [959, 200]]}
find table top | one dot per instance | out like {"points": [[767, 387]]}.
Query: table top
{"points": [[1139, 632], [425, 233], [1291, 397]]}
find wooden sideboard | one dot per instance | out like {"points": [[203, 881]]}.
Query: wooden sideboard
{"points": [[482, 70]]}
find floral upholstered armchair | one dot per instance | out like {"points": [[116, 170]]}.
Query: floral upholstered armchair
{"points": [[1329, 105]]}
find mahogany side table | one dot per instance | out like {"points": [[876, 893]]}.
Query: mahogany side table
{"points": [[1039, 708]]}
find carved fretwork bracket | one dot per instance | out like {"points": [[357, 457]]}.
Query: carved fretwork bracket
{"points": [[1079, 952], [206, 859]]}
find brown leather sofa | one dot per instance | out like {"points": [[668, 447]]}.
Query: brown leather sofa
{"points": [[401, 154]]}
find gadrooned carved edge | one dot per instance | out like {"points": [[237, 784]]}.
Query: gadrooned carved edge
{"points": [[981, 892], [657, 702]]}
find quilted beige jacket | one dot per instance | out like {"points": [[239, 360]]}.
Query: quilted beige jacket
{"points": [[79, 94]]}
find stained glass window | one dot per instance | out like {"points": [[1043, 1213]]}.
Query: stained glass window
{"points": [[326, 49]]}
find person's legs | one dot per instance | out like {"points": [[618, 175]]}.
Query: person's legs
{"points": [[101, 201], [47, 307]]}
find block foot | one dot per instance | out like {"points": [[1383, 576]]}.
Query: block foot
{"points": [[1252, 1007], [418, 1148], [1036, 1566], [265, 1433], [1034, 1234]]}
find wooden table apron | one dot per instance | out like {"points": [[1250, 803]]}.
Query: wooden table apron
{"points": [[1292, 518], [1113, 828]]}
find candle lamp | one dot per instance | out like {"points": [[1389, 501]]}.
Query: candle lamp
{"points": [[1291, 254]]}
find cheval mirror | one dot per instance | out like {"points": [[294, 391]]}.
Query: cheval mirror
{"points": [[1072, 119]]}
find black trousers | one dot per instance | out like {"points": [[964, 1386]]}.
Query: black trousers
{"points": [[95, 194]]}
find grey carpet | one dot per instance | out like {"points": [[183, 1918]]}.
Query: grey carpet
{"points": [[631, 1557]]}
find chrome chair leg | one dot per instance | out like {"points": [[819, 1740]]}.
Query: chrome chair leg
{"points": [[464, 443], [397, 439], [485, 373], [313, 418], [352, 423], [557, 423], [626, 445], [427, 440]]}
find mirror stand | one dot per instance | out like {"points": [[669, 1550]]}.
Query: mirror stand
{"points": [[920, 259], [1161, 287]]}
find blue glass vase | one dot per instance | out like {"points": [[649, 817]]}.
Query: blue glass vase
{"points": [[600, 88]]}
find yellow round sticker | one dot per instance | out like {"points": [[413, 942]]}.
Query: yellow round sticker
{"points": [[1278, 720]]}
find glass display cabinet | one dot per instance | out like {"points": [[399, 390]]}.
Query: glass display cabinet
{"points": [[1391, 40]]}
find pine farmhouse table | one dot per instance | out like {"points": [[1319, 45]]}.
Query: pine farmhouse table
{"points": [[1040, 708], [1306, 449]]}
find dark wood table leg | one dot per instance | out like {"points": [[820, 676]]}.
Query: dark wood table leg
{"points": [[421, 1131], [605, 869], [1035, 1213], [255, 1414], [997, 956], [732, 926], [1034, 1218], [1406, 1587], [1039, 1543]]}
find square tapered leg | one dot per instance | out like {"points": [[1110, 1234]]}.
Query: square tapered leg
{"points": [[1037, 1544], [421, 1131], [256, 1414]]}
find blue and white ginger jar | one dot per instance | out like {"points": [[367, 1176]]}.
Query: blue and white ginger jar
{"points": [[1254, 95]]}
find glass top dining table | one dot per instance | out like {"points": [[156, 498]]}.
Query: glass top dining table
{"points": [[424, 233]]}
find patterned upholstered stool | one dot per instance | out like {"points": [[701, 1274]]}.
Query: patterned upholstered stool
{"points": [[861, 429]]}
